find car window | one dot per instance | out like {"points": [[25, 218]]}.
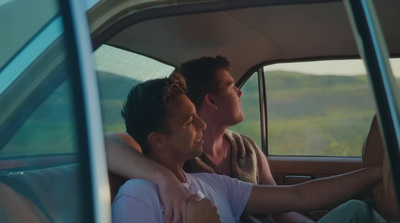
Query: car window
{"points": [[50, 128], [19, 48], [321, 108], [42, 154], [32, 22], [31, 63], [117, 72]]}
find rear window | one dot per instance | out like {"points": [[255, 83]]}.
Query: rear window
{"points": [[117, 72]]}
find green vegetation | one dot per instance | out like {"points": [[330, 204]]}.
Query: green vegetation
{"points": [[307, 115], [311, 115]]}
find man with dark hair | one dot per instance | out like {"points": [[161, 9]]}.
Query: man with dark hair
{"points": [[178, 137], [133, 115], [212, 90]]}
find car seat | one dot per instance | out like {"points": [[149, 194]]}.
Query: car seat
{"points": [[374, 154]]}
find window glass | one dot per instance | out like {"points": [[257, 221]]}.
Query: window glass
{"points": [[39, 153], [14, 39], [49, 130], [117, 72], [318, 108], [251, 109], [31, 83]]}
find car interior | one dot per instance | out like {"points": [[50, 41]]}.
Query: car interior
{"points": [[45, 167]]}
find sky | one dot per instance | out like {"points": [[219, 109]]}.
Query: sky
{"points": [[113, 60], [348, 67]]}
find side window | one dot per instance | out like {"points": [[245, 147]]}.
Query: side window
{"points": [[47, 169], [318, 108], [32, 68], [251, 125], [50, 129], [117, 72]]}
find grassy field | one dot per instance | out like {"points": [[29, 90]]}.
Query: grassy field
{"points": [[311, 115], [307, 115]]}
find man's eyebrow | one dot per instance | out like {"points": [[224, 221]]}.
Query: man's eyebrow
{"points": [[231, 82]]}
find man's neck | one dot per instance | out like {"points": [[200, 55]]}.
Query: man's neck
{"points": [[213, 139], [213, 135]]}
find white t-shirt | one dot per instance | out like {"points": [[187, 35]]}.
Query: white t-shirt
{"points": [[137, 200]]}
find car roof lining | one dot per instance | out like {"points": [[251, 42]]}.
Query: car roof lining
{"points": [[179, 38], [288, 31]]}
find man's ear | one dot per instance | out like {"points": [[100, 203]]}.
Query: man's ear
{"points": [[156, 140], [208, 99]]}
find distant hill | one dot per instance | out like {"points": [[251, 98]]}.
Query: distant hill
{"points": [[305, 95], [306, 113], [288, 93], [309, 112], [113, 90], [295, 108]]}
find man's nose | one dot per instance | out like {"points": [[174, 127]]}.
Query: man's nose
{"points": [[240, 92], [201, 125]]}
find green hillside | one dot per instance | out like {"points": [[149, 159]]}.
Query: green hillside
{"points": [[306, 113], [311, 114], [113, 90]]}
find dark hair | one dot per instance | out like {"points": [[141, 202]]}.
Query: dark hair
{"points": [[144, 110], [200, 75]]}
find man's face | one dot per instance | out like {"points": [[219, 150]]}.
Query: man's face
{"points": [[186, 128], [228, 100]]}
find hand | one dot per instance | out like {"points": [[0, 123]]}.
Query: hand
{"points": [[199, 211], [174, 196]]}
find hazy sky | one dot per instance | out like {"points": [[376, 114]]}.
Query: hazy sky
{"points": [[348, 67], [113, 60]]}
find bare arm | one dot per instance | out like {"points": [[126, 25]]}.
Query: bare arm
{"points": [[267, 179], [311, 195], [124, 160]]}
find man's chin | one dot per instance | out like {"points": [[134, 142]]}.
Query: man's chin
{"points": [[198, 152], [239, 119]]}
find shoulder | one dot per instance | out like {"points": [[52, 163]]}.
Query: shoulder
{"points": [[243, 145], [246, 156], [239, 138], [141, 190], [137, 200]]}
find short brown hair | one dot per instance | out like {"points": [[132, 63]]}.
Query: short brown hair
{"points": [[144, 110], [200, 75]]}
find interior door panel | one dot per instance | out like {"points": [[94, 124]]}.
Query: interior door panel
{"points": [[308, 168]]}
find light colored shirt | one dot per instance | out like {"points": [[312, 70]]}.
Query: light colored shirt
{"points": [[137, 200]]}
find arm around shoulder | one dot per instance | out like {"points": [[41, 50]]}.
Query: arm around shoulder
{"points": [[125, 161]]}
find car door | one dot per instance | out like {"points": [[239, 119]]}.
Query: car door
{"points": [[52, 162]]}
